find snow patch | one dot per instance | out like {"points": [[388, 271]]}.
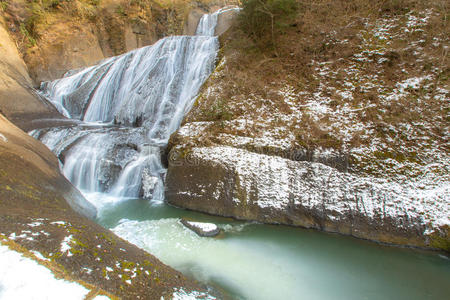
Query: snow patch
{"points": [[65, 245], [58, 223], [24, 278], [39, 255], [101, 297], [181, 294], [207, 227], [35, 224]]}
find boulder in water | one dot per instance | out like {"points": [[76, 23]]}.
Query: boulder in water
{"points": [[201, 228]]}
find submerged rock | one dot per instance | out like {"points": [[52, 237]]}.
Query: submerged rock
{"points": [[201, 228]]}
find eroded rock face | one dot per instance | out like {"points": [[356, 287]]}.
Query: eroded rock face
{"points": [[190, 26], [63, 50], [18, 101], [233, 182], [224, 19], [43, 166]]}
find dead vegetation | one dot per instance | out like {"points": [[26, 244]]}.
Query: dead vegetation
{"points": [[32, 19], [363, 76]]}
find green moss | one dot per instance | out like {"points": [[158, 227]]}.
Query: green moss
{"points": [[73, 230], [107, 238], [125, 277], [127, 264], [3, 5], [147, 263], [55, 256], [79, 243], [75, 251], [121, 11], [219, 111], [440, 241]]}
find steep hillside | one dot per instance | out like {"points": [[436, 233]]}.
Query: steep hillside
{"points": [[338, 112], [56, 36]]}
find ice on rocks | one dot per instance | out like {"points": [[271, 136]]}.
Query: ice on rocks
{"points": [[181, 294]]}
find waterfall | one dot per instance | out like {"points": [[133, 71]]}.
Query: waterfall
{"points": [[129, 106], [152, 86], [206, 25], [208, 22]]}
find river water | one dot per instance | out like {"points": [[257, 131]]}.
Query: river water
{"points": [[127, 107], [256, 261]]}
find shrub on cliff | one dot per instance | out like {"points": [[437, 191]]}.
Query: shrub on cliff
{"points": [[263, 19]]}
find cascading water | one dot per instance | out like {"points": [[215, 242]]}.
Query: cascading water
{"points": [[130, 105], [207, 24], [150, 87]]}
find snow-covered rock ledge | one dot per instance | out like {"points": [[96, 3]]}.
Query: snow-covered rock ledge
{"points": [[234, 182]]}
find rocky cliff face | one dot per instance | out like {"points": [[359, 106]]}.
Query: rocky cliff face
{"points": [[64, 35], [18, 101], [340, 129], [233, 182]]}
